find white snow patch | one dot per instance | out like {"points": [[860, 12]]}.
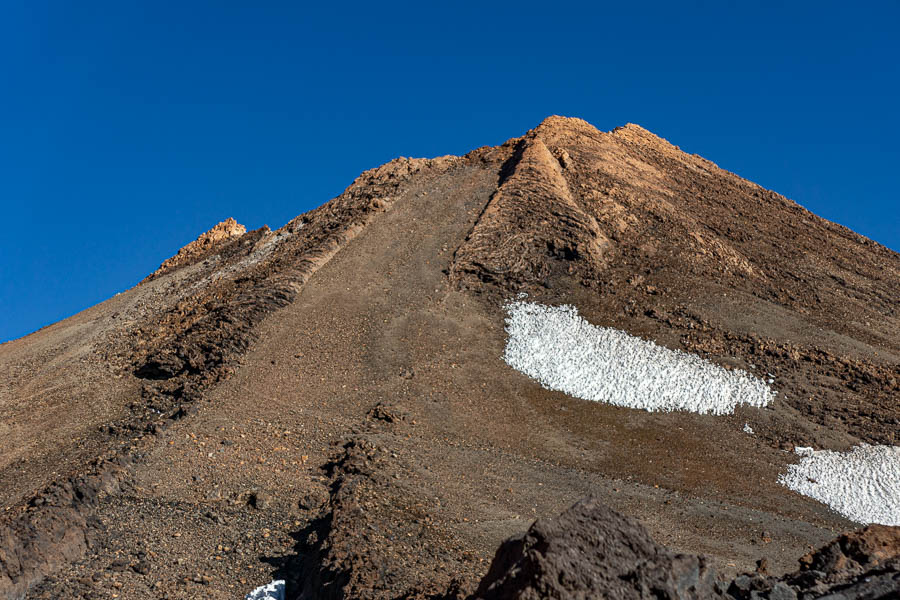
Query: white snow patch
{"points": [[862, 484], [564, 352], [270, 591], [748, 429]]}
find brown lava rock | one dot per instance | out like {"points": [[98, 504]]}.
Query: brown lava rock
{"points": [[591, 551]]}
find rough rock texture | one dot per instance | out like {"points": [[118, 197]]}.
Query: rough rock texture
{"points": [[56, 528], [516, 238], [330, 562], [205, 245], [591, 551], [191, 347], [863, 565]]}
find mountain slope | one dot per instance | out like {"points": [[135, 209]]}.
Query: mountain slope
{"points": [[328, 401]]}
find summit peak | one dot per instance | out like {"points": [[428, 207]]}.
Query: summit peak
{"points": [[205, 244]]}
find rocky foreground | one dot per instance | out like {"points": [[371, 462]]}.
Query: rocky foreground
{"points": [[591, 551]]}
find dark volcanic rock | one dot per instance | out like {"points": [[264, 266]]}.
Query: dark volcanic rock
{"points": [[873, 547], [591, 551], [864, 565], [56, 530]]}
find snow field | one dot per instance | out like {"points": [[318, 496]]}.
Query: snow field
{"points": [[562, 351], [862, 484], [270, 591]]}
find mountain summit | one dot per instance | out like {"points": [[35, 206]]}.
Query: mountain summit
{"points": [[328, 403], [205, 245]]}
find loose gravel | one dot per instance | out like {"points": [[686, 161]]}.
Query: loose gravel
{"points": [[862, 485], [561, 350]]}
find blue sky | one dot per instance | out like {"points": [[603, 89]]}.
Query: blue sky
{"points": [[128, 128]]}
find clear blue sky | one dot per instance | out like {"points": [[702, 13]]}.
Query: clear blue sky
{"points": [[128, 128]]}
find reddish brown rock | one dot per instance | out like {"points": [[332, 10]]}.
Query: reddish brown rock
{"points": [[205, 245]]}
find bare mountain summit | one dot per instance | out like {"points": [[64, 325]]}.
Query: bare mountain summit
{"points": [[328, 403], [205, 245]]}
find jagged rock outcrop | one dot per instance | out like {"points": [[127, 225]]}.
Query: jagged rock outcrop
{"points": [[206, 244], [55, 529], [358, 542], [591, 551], [862, 565]]}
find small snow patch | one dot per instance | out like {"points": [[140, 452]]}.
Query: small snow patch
{"points": [[270, 591], [564, 352], [862, 485], [747, 429]]}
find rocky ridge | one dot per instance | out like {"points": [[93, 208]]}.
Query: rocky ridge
{"points": [[205, 245]]}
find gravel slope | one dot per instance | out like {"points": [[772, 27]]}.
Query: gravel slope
{"points": [[339, 413]]}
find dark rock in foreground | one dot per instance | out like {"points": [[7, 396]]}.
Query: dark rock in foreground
{"points": [[591, 551], [864, 565]]}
